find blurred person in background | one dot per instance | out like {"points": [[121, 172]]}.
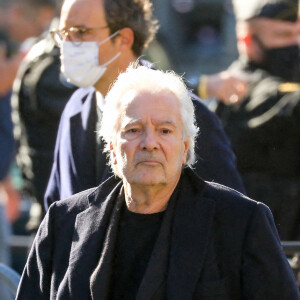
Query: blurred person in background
{"points": [[39, 96], [9, 57], [19, 21], [98, 40], [199, 39], [29, 18], [9, 197], [264, 126], [8, 64]]}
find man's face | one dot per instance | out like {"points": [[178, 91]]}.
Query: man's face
{"points": [[268, 34], [89, 14], [24, 21], [149, 147], [275, 47]]}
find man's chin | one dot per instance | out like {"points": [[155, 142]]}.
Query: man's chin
{"points": [[148, 179]]}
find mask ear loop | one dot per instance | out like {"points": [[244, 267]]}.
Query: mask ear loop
{"points": [[109, 37], [112, 59], [105, 40]]}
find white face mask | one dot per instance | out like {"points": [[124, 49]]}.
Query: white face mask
{"points": [[80, 64]]}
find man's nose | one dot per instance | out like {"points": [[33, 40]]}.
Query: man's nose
{"points": [[149, 141]]}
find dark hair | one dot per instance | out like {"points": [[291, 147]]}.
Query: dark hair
{"points": [[135, 14]]}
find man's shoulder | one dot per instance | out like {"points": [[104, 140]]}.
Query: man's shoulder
{"points": [[73, 204], [83, 200], [206, 120], [229, 201], [200, 107]]}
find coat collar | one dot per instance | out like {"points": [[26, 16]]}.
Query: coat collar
{"points": [[83, 143], [179, 250], [190, 236], [88, 237]]}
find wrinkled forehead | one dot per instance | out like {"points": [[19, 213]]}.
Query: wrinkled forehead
{"points": [[146, 97], [159, 105]]}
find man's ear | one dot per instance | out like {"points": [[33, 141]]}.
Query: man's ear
{"points": [[111, 147], [126, 39], [185, 151]]}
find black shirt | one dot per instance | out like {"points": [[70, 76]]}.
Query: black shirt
{"points": [[136, 238]]}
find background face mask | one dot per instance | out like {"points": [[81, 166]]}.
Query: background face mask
{"points": [[283, 62], [80, 64]]}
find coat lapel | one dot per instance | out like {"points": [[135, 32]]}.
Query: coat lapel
{"points": [[83, 143], [88, 238], [190, 236], [101, 277]]}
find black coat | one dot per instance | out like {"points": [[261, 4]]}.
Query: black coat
{"points": [[214, 243]]}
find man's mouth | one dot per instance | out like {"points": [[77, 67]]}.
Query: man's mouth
{"points": [[149, 162]]}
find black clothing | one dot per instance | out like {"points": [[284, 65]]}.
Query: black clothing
{"points": [[136, 238], [287, 60], [214, 243], [264, 130]]}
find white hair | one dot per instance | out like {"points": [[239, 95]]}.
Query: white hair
{"points": [[141, 78]]}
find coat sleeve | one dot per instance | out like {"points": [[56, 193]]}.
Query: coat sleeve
{"points": [[266, 273], [35, 282], [52, 193], [215, 160]]}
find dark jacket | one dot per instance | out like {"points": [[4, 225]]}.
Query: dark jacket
{"points": [[38, 100], [214, 243], [74, 167], [264, 130], [6, 136]]}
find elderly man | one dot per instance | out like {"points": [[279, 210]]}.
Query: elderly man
{"points": [[158, 231], [98, 40]]}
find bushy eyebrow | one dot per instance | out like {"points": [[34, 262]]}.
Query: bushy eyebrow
{"points": [[169, 122], [130, 122], [158, 122]]}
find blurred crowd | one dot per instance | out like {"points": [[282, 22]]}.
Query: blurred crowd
{"points": [[242, 59]]}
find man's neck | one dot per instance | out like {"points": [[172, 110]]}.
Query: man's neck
{"points": [[113, 71], [148, 199]]}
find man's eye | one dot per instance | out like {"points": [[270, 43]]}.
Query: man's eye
{"points": [[82, 30], [132, 131], [79, 31], [166, 131]]}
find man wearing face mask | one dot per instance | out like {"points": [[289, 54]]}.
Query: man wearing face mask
{"points": [[264, 127], [98, 40]]}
